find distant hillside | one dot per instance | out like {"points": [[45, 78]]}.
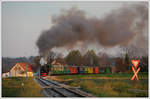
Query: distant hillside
{"points": [[8, 63]]}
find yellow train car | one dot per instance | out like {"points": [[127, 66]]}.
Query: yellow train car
{"points": [[90, 70]]}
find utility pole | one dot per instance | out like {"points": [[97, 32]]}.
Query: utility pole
{"points": [[26, 71]]}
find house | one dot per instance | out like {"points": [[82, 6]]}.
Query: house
{"points": [[19, 70]]}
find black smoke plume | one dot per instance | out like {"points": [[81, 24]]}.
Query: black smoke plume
{"points": [[118, 27]]}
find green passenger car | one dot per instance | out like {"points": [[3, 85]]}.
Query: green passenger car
{"points": [[66, 70], [85, 70], [53, 69], [101, 70], [108, 70]]}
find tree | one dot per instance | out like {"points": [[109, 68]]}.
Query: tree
{"points": [[144, 64], [134, 51], [127, 61], [90, 58], [74, 58], [103, 59], [119, 65], [36, 63]]}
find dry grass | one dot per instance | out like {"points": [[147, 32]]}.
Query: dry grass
{"points": [[12, 87], [114, 86], [111, 88]]}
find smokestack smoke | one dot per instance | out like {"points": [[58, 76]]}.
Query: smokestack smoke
{"points": [[73, 26]]}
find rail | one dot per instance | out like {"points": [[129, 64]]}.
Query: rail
{"points": [[55, 89]]}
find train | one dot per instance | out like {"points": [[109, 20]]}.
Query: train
{"points": [[70, 70]]}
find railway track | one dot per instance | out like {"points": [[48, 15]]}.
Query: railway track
{"points": [[55, 89]]}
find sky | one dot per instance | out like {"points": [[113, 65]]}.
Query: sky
{"points": [[23, 22]]}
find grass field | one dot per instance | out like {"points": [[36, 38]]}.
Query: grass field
{"points": [[109, 85], [103, 76], [12, 87]]}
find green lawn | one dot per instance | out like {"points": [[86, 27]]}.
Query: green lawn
{"points": [[109, 85], [11, 87]]}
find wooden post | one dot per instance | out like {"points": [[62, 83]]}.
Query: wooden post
{"points": [[26, 71]]}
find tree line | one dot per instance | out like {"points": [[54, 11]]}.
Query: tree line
{"points": [[74, 57], [90, 58]]}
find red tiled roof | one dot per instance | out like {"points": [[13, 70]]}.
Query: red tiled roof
{"points": [[23, 65]]}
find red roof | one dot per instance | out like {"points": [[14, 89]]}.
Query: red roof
{"points": [[23, 65]]}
